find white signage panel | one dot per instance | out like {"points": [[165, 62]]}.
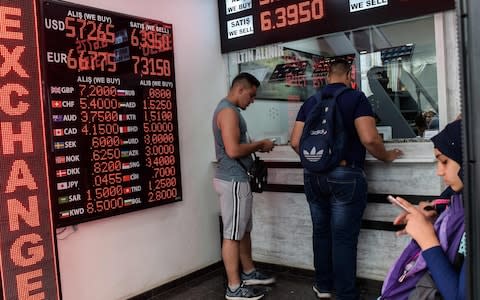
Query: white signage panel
{"points": [[358, 5], [240, 27], [235, 6]]}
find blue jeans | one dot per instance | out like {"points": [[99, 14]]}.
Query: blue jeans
{"points": [[337, 200]]}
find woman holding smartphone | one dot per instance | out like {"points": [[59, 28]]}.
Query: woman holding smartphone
{"points": [[438, 248]]}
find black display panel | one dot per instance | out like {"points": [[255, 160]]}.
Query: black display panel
{"points": [[250, 23], [112, 113]]}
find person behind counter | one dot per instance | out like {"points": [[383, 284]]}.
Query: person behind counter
{"points": [[338, 198], [438, 248], [231, 183]]}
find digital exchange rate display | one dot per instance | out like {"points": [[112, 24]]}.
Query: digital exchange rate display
{"points": [[110, 88], [251, 23]]}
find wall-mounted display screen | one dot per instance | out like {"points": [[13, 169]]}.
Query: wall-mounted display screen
{"points": [[250, 23], [111, 110], [294, 76]]}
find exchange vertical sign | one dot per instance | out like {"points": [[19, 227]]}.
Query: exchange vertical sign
{"points": [[28, 263]]}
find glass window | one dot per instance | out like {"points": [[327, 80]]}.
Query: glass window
{"points": [[393, 64]]}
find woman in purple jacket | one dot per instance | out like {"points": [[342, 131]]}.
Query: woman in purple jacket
{"points": [[448, 275]]}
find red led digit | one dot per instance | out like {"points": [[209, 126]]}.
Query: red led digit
{"points": [[70, 28], [107, 179], [265, 20], [160, 195], [159, 138], [106, 154], [91, 29], [107, 166], [318, 11], [105, 141], [90, 208], [151, 66], [158, 127], [160, 93], [108, 192], [108, 204], [102, 116], [105, 129], [164, 172], [110, 33], [281, 15], [71, 60], [159, 150], [292, 14], [99, 103], [304, 11], [162, 183], [83, 23]]}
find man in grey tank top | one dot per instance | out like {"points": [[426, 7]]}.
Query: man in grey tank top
{"points": [[232, 185]]}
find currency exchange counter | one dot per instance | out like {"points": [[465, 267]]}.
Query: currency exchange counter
{"points": [[282, 231]]}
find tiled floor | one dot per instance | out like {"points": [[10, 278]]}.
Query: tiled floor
{"points": [[289, 285]]}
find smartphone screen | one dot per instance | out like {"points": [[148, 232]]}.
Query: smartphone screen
{"points": [[394, 201]]}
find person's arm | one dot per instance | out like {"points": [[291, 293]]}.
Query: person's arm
{"points": [[449, 282], [296, 135], [418, 226], [369, 137], [227, 121]]}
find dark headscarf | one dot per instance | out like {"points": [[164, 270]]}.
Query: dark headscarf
{"points": [[449, 142]]}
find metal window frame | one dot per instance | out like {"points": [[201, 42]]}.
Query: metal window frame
{"points": [[468, 12]]}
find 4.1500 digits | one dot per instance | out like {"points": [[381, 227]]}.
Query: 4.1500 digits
{"points": [[100, 129]]}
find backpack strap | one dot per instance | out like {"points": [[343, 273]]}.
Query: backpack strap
{"points": [[340, 91], [319, 96]]}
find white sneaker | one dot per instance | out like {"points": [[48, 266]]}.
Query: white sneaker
{"points": [[321, 294]]}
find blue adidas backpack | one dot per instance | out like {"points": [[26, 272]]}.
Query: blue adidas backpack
{"points": [[323, 138]]}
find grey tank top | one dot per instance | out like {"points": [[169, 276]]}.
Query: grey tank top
{"points": [[227, 168]]}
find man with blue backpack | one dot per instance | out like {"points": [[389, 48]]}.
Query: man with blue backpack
{"points": [[332, 132]]}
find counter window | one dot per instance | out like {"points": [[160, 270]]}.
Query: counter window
{"points": [[393, 64]]}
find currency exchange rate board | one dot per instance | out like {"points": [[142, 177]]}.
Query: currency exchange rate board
{"points": [[109, 83]]}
